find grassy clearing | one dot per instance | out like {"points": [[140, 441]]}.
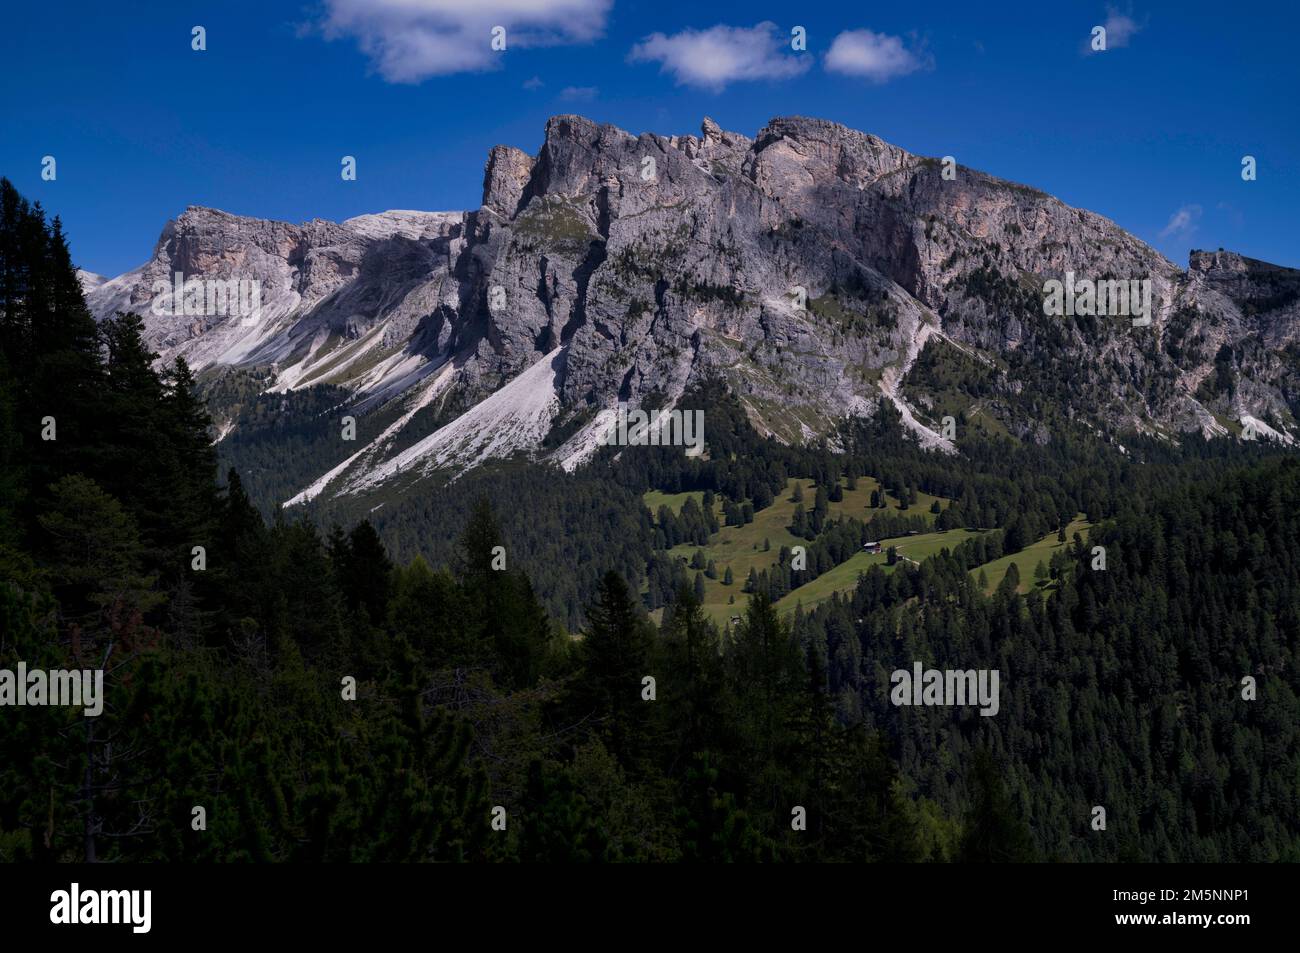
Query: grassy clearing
{"points": [[742, 547], [674, 501], [844, 577], [981, 418], [1029, 557]]}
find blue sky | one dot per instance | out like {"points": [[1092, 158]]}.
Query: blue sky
{"points": [[1150, 133]]}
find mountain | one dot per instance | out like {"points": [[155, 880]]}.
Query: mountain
{"points": [[89, 280], [617, 268]]}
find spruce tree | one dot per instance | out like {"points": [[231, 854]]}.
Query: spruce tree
{"points": [[617, 652]]}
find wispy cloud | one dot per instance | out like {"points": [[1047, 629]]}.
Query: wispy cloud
{"points": [[1234, 214], [878, 57], [1120, 28], [580, 94], [534, 83], [720, 55], [410, 40], [1182, 223]]}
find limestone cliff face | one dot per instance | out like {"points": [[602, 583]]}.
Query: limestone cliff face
{"points": [[807, 266], [375, 276]]}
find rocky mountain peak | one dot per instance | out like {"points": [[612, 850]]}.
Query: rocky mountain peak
{"points": [[810, 268], [506, 178], [1217, 262]]}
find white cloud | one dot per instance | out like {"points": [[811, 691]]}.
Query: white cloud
{"points": [[720, 55], [1120, 28], [878, 57], [1182, 223], [584, 94], [534, 83], [408, 41]]}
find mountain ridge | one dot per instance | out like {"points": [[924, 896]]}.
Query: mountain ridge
{"points": [[640, 264]]}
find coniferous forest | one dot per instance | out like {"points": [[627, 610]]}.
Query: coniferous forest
{"points": [[348, 684]]}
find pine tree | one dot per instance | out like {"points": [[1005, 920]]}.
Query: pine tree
{"points": [[427, 610], [366, 573], [49, 354], [799, 521], [617, 652], [478, 545], [766, 676], [693, 686], [97, 562], [510, 628], [1040, 574], [821, 507]]}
